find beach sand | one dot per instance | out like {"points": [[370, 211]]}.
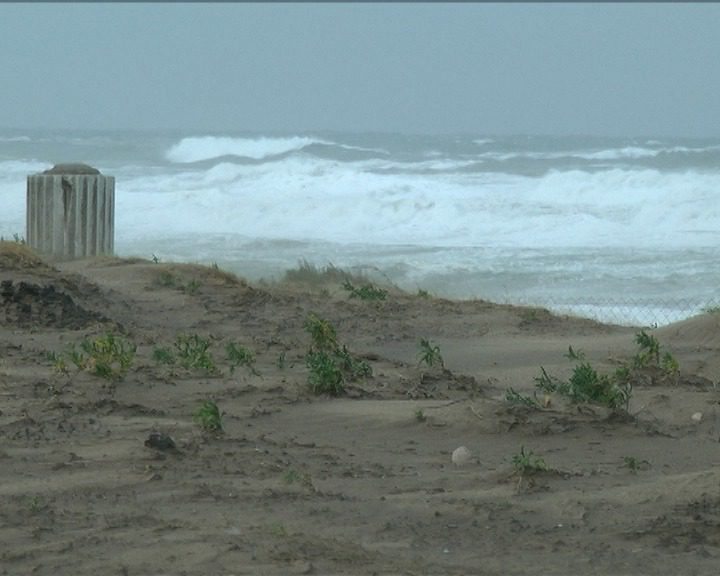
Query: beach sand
{"points": [[363, 483]]}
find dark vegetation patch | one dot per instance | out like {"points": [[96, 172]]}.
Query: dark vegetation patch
{"points": [[25, 304]]}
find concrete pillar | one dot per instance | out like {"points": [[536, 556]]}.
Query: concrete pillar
{"points": [[71, 212]]}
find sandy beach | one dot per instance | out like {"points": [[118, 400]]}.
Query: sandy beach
{"points": [[115, 473]]}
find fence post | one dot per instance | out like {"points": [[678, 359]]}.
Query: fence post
{"points": [[71, 212]]}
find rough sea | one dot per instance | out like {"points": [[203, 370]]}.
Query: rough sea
{"points": [[624, 230]]}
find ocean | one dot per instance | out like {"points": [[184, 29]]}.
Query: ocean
{"points": [[622, 230]]}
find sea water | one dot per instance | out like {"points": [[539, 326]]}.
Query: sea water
{"points": [[624, 230]]}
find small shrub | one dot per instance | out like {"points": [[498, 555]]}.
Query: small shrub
{"points": [[650, 355], [530, 316], [278, 530], [322, 333], [191, 287], [527, 464], [550, 384], [573, 354], [163, 355], [420, 415], [36, 504], [365, 292], [108, 356], [292, 476], [193, 352], [58, 363], [429, 354], [310, 274], [329, 363], [239, 356], [167, 279], [669, 364], [356, 368], [649, 349], [325, 375], [587, 385], [514, 397], [634, 465], [208, 417]]}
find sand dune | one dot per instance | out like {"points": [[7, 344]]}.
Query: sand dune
{"points": [[362, 483]]}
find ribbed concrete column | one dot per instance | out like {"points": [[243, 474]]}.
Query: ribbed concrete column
{"points": [[71, 212]]}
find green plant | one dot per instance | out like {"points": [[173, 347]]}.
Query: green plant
{"points": [[365, 292], [167, 279], [310, 274], [650, 355], [669, 364], [35, 504], [527, 464], [649, 349], [191, 287], [107, 356], [278, 530], [575, 354], [531, 316], [281, 361], [622, 375], [586, 385], [238, 355], [58, 363], [550, 384], [420, 415], [423, 294], [292, 476], [163, 355], [193, 352], [325, 375], [329, 363], [208, 417], [635, 465], [430, 354], [356, 368], [513, 397], [322, 333]]}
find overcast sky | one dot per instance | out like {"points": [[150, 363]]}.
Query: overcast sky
{"points": [[603, 69]]}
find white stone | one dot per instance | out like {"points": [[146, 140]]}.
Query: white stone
{"points": [[461, 456], [697, 416]]}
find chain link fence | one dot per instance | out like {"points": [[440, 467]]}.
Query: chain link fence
{"points": [[625, 311]]}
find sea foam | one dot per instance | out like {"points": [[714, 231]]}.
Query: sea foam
{"points": [[506, 218], [206, 147]]}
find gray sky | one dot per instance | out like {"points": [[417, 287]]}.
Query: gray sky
{"points": [[605, 69]]}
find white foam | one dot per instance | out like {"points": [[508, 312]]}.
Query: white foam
{"points": [[14, 139], [302, 198], [207, 147]]}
